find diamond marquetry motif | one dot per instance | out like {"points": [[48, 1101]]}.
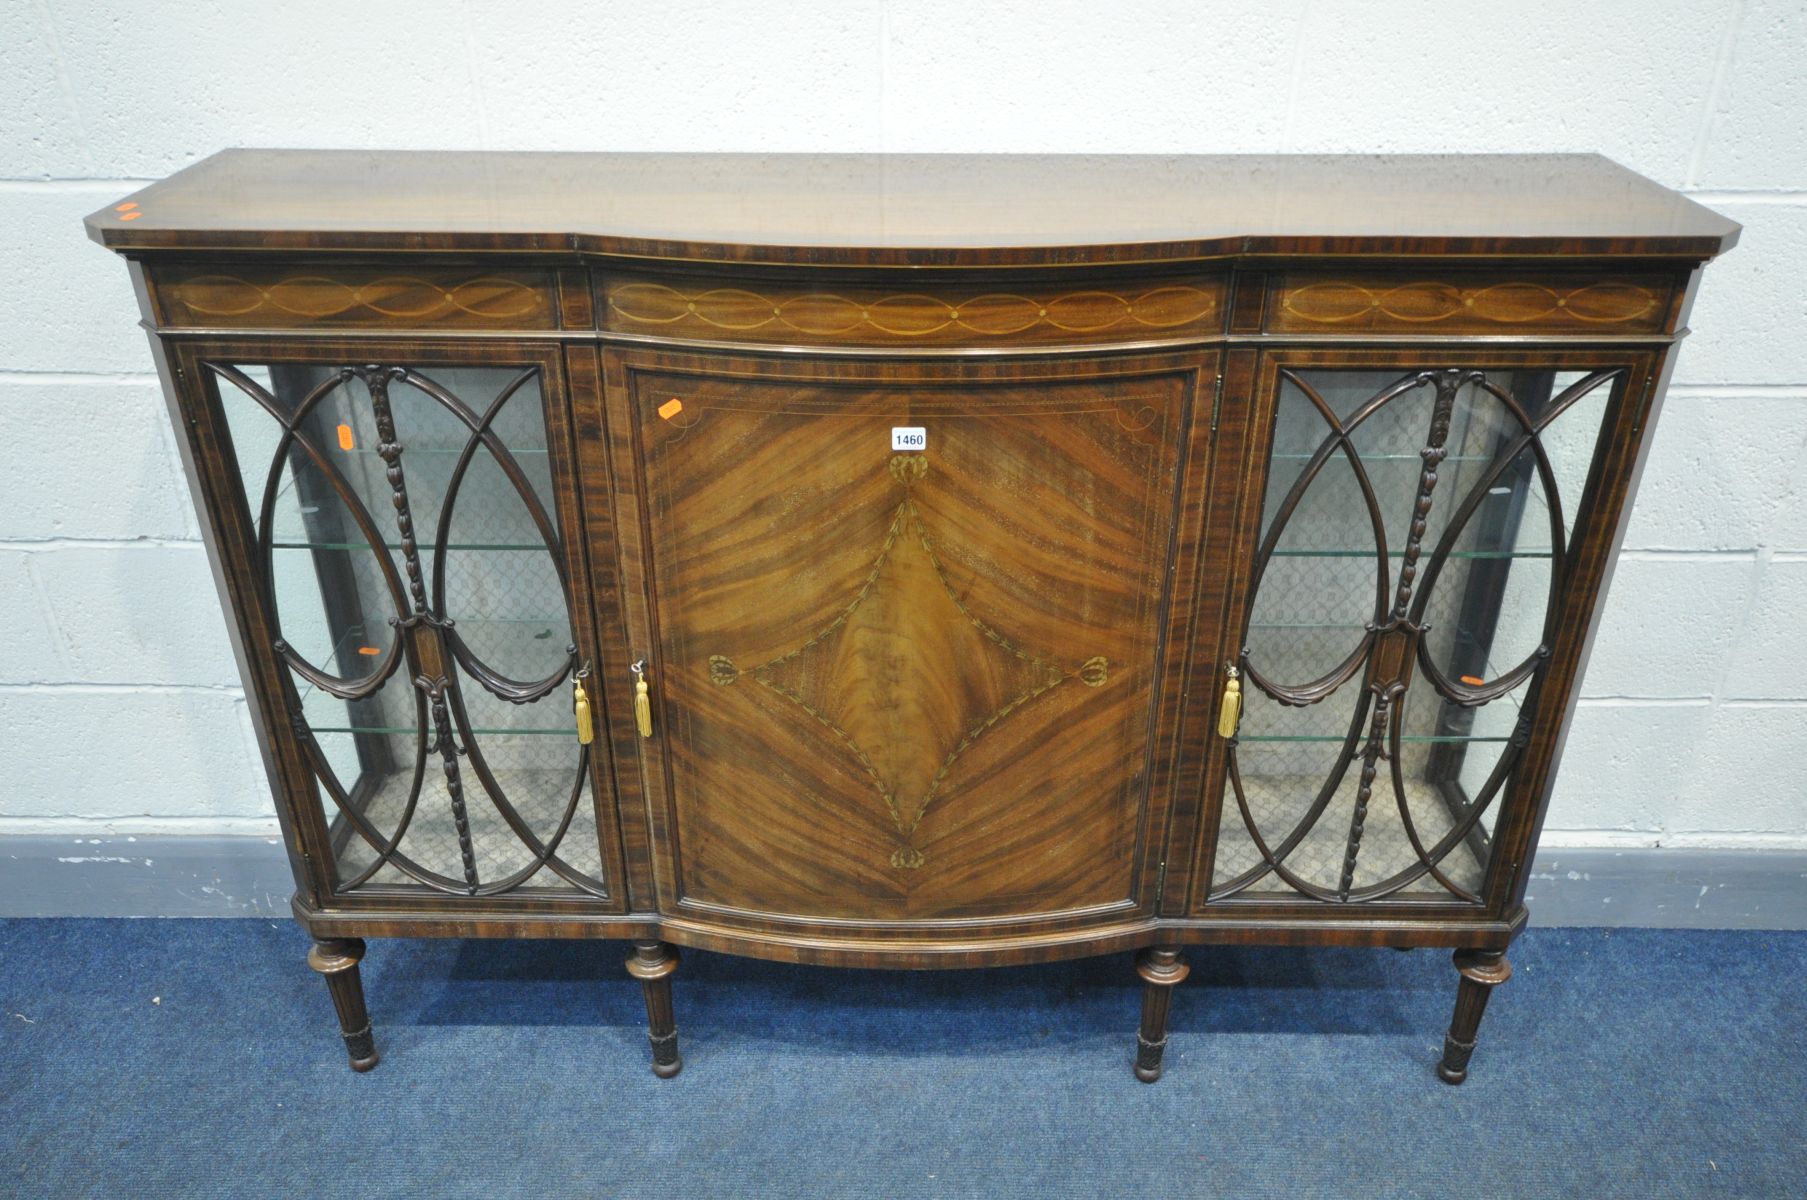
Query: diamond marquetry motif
{"points": [[908, 677]]}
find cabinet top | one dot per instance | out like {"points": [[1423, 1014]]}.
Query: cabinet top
{"points": [[912, 210]]}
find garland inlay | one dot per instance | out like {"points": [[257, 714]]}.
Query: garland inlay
{"points": [[415, 298], [952, 315], [1317, 301]]}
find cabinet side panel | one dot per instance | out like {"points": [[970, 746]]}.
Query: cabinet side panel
{"points": [[1195, 578], [598, 651], [1602, 522], [614, 496], [228, 533], [609, 525], [1236, 476]]}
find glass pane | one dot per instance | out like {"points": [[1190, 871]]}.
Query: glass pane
{"points": [[1415, 534], [407, 531]]}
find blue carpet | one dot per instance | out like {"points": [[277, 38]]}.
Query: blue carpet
{"points": [[200, 1058]]}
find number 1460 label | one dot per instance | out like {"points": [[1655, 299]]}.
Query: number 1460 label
{"points": [[909, 437]]}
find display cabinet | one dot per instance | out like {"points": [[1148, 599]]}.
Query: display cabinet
{"points": [[915, 561]]}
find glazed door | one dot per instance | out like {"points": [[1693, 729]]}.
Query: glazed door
{"points": [[904, 632], [399, 518], [1414, 572]]}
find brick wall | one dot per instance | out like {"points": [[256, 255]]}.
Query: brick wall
{"points": [[119, 708]]}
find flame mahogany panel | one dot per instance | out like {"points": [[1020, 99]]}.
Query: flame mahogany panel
{"points": [[908, 686]]}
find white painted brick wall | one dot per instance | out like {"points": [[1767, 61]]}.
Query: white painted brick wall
{"points": [[69, 431], [117, 701]]}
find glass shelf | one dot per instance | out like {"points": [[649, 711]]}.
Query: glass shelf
{"points": [[526, 647], [411, 452], [1410, 739], [410, 731], [1355, 628], [509, 546], [1282, 552], [1268, 644], [1332, 519], [1413, 457]]}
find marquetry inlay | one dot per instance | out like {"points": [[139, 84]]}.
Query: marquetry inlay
{"points": [[292, 298], [1324, 302], [779, 312]]}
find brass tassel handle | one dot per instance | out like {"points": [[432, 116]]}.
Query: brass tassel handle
{"points": [[580, 706], [1230, 713], [643, 702]]}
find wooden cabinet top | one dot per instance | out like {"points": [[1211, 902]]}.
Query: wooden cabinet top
{"points": [[912, 210]]}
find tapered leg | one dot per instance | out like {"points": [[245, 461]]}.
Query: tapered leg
{"points": [[1482, 971], [652, 964], [337, 960], [1160, 967]]}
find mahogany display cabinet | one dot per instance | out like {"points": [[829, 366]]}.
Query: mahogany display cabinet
{"points": [[912, 561]]}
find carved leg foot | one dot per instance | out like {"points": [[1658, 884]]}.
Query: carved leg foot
{"points": [[1482, 971], [1160, 967], [337, 960], [652, 964]]}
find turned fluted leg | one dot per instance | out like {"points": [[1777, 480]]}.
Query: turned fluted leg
{"points": [[337, 960], [652, 964], [1160, 967], [1482, 971]]}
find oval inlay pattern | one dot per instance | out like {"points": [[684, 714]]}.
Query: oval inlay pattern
{"points": [[1319, 302], [424, 299], [869, 314]]}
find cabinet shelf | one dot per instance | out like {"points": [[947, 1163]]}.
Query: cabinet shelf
{"points": [[1456, 554], [396, 546], [1369, 459], [528, 647], [1354, 628], [411, 731], [1409, 739], [416, 451]]}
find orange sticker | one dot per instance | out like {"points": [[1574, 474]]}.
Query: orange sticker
{"points": [[671, 408], [1473, 681], [369, 651], [128, 206], [130, 216], [345, 438]]}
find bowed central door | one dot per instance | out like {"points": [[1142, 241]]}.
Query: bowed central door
{"points": [[905, 631]]}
